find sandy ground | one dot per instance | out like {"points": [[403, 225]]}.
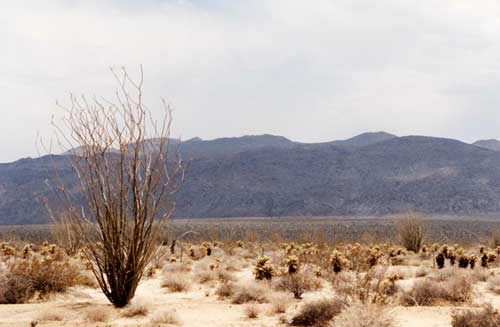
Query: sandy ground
{"points": [[199, 307]]}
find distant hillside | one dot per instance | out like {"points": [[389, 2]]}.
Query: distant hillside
{"points": [[270, 176], [491, 144]]}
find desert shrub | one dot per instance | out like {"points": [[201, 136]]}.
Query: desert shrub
{"points": [[175, 283], [411, 233], [224, 290], [318, 312], [138, 307], [250, 293], [26, 277], [429, 292], [204, 277], [486, 317], [365, 315], [252, 311], [297, 283], [98, 314], [165, 317]]}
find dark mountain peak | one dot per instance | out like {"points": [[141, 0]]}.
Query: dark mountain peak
{"points": [[491, 144], [365, 139]]}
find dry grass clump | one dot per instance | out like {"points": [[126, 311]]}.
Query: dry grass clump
{"points": [[27, 277], [279, 304], [86, 278], [430, 292], [176, 267], [98, 314], [486, 317], [297, 283], [165, 317], [52, 315], [318, 312], [252, 311], [421, 272], [365, 315], [138, 307], [493, 284], [204, 277], [250, 293], [175, 283], [480, 274], [224, 290]]}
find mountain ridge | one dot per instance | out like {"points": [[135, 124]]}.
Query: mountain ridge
{"points": [[271, 176]]}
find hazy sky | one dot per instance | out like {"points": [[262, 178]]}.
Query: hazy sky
{"points": [[311, 70]]}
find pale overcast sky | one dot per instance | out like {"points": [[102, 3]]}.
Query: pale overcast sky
{"points": [[311, 70]]}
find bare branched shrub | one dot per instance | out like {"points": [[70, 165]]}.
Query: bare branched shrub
{"points": [[125, 179], [297, 283], [366, 315], [411, 233], [486, 317], [318, 312]]}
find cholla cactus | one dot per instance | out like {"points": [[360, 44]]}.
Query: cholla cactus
{"points": [[487, 258], [463, 261], [440, 258], [240, 244], [191, 252], [373, 256], [27, 250], [338, 261], [292, 261], [472, 261], [263, 269], [172, 260], [8, 250], [52, 248], [317, 272], [435, 247], [207, 247]]}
